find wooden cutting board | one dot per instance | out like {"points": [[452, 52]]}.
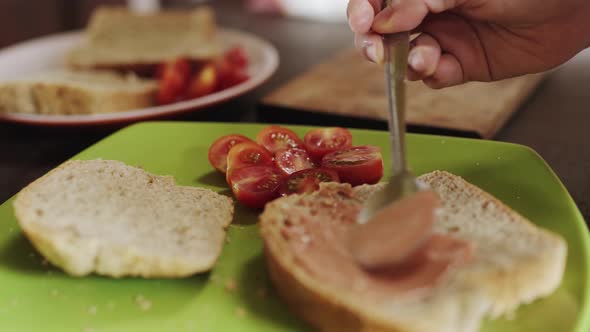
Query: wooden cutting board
{"points": [[347, 85]]}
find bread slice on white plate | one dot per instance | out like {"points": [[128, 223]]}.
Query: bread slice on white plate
{"points": [[64, 92], [118, 38], [115, 220], [515, 262]]}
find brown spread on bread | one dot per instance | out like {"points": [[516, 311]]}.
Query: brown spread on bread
{"points": [[329, 243]]}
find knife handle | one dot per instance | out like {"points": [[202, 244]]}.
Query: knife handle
{"points": [[396, 47]]}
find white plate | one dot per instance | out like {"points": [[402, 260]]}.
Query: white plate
{"points": [[49, 52]]}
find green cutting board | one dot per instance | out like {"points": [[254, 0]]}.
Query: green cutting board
{"points": [[236, 295]]}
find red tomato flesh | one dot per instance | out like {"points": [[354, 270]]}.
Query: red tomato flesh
{"points": [[356, 165], [256, 185], [247, 154], [204, 82], [175, 76], [229, 74], [220, 148], [275, 139], [307, 180], [319, 142], [293, 160], [237, 57]]}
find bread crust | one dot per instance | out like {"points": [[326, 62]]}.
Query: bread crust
{"points": [[161, 42], [71, 93]]}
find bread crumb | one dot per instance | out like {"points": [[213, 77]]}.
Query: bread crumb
{"points": [[213, 277], [92, 310], [230, 285], [54, 292], [111, 305], [453, 229], [88, 329], [143, 303], [240, 312]]}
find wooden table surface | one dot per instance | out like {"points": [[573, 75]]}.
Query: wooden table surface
{"points": [[555, 121]]}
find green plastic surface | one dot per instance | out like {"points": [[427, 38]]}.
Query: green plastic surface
{"points": [[36, 297]]}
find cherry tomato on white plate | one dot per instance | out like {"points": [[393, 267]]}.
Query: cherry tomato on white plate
{"points": [[174, 79]]}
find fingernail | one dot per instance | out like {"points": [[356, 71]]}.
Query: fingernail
{"points": [[371, 51], [416, 61], [382, 20]]}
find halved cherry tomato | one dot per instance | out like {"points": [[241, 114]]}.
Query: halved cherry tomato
{"points": [[229, 74], [220, 148], [256, 185], [319, 142], [247, 154], [204, 82], [174, 80], [293, 160], [307, 180], [237, 57], [356, 165], [275, 139]]}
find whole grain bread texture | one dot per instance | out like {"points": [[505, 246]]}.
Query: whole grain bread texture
{"points": [[65, 92], [117, 38], [105, 217], [515, 262]]}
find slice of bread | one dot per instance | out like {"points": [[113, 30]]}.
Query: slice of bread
{"points": [[116, 220], [119, 38], [515, 262], [67, 92]]}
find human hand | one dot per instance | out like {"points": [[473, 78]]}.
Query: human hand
{"points": [[475, 40]]}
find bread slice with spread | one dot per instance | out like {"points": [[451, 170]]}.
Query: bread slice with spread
{"points": [[514, 262]]}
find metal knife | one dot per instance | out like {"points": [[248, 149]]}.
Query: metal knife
{"points": [[402, 182]]}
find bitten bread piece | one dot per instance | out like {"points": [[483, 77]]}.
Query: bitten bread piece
{"points": [[514, 262], [68, 92], [119, 38], [116, 220]]}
